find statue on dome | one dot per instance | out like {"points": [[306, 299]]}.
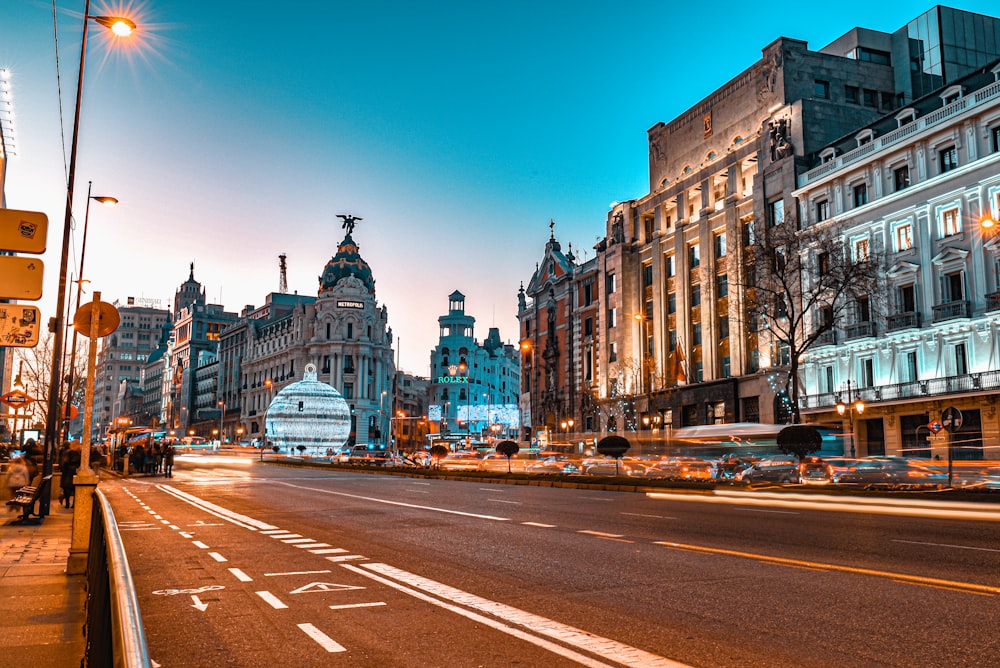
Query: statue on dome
{"points": [[349, 222]]}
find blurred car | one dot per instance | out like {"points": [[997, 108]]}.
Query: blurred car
{"points": [[681, 468], [461, 460], [627, 466], [554, 464], [421, 459], [730, 466], [815, 471], [366, 457], [896, 473], [494, 461], [770, 470]]}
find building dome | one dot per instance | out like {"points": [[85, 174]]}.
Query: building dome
{"points": [[347, 262], [308, 413]]}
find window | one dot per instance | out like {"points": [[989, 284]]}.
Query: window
{"points": [[754, 363], [609, 284], [588, 326], [724, 327], [867, 372], [611, 318], [906, 298], [823, 263], [852, 94], [612, 352], [903, 236], [909, 370], [694, 256], [722, 285], [750, 408], [949, 159], [949, 222], [671, 303], [350, 330], [864, 309], [696, 334], [953, 287], [874, 56], [869, 98], [348, 391], [776, 212], [995, 136], [821, 89], [961, 363], [828, 374], [860, 194], [720, 245], [747, 233], [647, 275], [669, 263], [695, 295], [861, 250], [822, 210], [901, 177]]}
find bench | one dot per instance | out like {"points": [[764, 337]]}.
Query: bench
{"points": [[26, 497]]}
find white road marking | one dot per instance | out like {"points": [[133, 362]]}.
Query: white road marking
{"points": [[297, 540], [218, 511], [177, 528], [272, 600], [420, 483], [397, 503], [218, 557], [283, 536], [324, 586], [270, 531], [957, 547], [332, 550], [605, 648], [346, 557], [199, 544], [164, 521], [539, 524], [196, 603], [157, 517], [767, 510], [185, 534], [269, 575], [657, 517], [325, 641], [240, 575], [601, 534], [357, 605], [516, 503], [311, 545]]}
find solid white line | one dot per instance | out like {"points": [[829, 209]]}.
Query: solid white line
{"points": [[271, 600], [397, 503], [538, 524], [957, 547], [218, 557], [332, 550], [218, 511], [420, 483], [198, 543], [357, 605], [325, 641], [268, 575], [516, 503], [605, 648], [240, 575]]}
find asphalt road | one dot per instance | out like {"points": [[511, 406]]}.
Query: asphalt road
{"points": [[239, 563]]}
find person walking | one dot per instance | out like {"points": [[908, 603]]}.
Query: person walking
{"points": [[69, 464]]}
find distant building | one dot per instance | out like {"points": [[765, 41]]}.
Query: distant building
{"points": [[474, 388]]}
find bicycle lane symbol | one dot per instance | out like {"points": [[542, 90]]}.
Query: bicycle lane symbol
{"points": [[199, 590]]}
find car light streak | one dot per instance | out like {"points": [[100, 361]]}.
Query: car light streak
{"points": [[899, 507], [967, 587], [433, 592], [956, 547]]}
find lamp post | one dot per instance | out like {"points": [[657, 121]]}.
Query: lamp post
{"points": [[222, 417], [268, 383], [851, 407], [120, 27], [110, 202]]}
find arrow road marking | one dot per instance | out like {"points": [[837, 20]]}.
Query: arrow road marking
{"points": [[198, 604]]}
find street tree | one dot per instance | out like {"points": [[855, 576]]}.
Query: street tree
{"points": [[797, 284], [799, 440], [508, 449]]}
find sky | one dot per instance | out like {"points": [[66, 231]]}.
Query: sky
{"points": [[233, 132]]}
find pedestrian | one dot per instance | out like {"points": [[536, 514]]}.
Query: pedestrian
{"points": [[137, 458], [158, 449], [168, 461], [17, 477], [69, 463], [34, 453]]}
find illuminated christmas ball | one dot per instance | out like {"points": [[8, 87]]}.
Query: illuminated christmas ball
{"points": [[308, 413]]}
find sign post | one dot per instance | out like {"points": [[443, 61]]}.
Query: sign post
{"points": [[951, 420]]}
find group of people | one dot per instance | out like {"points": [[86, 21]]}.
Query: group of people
{"points": [[22, 469], [145, 457]]}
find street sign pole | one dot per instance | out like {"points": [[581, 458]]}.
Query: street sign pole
{"points": [[951, 420]]}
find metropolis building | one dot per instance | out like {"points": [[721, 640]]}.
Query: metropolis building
{"points": [[869, 132]]}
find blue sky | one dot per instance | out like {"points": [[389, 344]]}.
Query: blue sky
{"points": [[236, 131]]}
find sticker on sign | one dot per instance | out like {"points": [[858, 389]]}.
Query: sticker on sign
{"points": [[19, 325]]}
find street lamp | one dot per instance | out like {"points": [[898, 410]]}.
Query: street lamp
{"points": [[109, 202], [222, 416], [120, 27], [857, 406]]}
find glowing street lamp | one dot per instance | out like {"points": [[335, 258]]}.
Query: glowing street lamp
{"points": [[121, 27], [858, 406]]}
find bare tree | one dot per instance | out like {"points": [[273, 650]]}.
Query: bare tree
{"points": [[799, 283], [35, 368]]}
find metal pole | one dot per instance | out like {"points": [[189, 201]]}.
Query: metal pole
{"points": [[79, 293], [51, 422]]}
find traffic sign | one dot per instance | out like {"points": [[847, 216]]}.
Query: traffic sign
{"points": [[17, 399], [951, 418], [19, 325], [23, 231], [22, 277], [935, 426]]}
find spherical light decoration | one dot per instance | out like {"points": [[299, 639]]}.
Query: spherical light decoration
{"points": [[308, 413]]}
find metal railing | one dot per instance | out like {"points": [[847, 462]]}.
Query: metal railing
{"points": [[115, 634], [932, 387]]}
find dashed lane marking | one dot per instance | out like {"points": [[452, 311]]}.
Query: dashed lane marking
{"points": [[332, 550], [240, 575], [199, 544], [357, 605], [325, 641], [272, 600], [271, 575], [539, 524], [346, 557], [218, 557]]}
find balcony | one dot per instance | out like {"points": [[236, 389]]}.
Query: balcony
{"points": [[986, 381], [827, 338], [993, 301], [952, 310], [859, 330], [906, 320]]}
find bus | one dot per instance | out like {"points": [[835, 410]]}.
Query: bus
{"points": [[711, 441]]}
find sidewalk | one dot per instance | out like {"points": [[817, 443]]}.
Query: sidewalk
{"points": [[41, 607]]}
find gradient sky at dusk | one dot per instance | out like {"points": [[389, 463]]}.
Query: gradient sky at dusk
{"points": [[236, 131]]}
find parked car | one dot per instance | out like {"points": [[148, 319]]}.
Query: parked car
{"points": [[627, 466], [730, 466], [770, 470], [494, 461], [681, 468], [554, 464], [896, 473], [815, 471]]}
